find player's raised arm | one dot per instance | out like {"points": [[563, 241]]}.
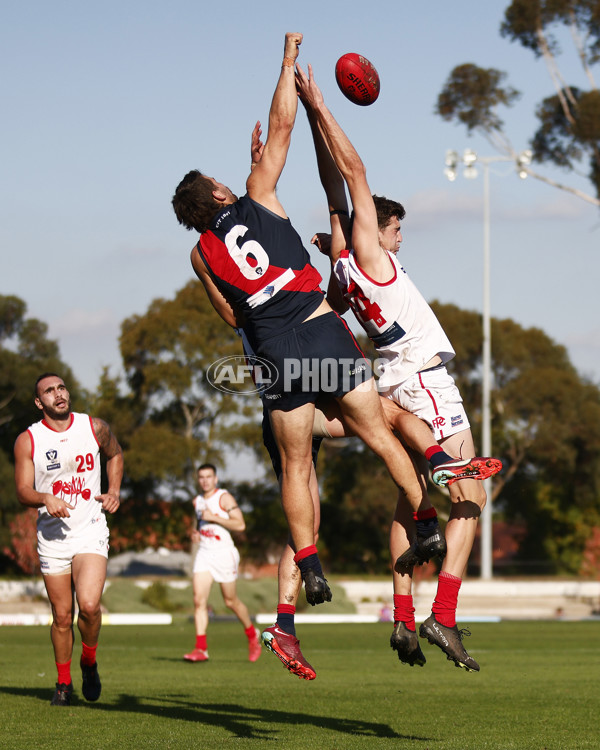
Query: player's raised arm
{"points": [[256, 145], [365, 239], [263, 178], [334, 186]]}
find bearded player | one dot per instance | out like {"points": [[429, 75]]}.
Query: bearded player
{"points": [[57, 471]]}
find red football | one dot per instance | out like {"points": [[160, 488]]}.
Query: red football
{"points": [[357, 78]]}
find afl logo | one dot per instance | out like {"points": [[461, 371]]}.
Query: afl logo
{"points": [[242, 375]]}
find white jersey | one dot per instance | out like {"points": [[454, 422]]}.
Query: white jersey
{"points": [[67, 465], [214, 536], [396, 318]]}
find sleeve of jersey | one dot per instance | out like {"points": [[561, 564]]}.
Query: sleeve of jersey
{"points": [[341, 271]]}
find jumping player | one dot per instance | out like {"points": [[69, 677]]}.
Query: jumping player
{"points": [[258, 275], [57, 471], [217, 559], [408, 336]]}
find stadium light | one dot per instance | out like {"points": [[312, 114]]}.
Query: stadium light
{"points": [[470, 159]]}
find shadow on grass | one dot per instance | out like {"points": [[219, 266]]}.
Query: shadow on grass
{"points": [[238, 720]]}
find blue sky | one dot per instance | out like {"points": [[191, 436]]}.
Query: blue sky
{"points": [[107, 105]]}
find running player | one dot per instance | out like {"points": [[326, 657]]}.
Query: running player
{"points": [[408, 336], [217, 559], [57, 471]]}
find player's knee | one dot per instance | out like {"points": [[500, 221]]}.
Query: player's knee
{"points": [[62, 620], [89, 609], [297, 469]]}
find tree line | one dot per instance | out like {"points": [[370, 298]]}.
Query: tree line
{"points": [[169, 418]]}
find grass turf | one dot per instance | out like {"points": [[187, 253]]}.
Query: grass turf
{"points": [[539, 688]]}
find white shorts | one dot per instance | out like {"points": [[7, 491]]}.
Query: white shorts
{"points": [[222, 564], [56, 555], [433, 396]]}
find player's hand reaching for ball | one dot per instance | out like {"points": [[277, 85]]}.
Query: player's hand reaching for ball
{"points": [[256, 146], [292, 41], [307, 88]]}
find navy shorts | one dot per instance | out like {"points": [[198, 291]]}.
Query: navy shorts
{"points": [[318, 357]]}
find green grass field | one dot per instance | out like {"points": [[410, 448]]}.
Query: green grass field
{"points": [[539, 687]]}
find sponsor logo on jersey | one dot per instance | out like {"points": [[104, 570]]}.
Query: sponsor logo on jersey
{"points": [[392, 334], [51, 456], [456, 420], [221, 217]]}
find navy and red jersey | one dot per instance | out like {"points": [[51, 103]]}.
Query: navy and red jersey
{"points": [[258, 262]]}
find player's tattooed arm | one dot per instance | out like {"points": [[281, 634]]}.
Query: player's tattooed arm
{"points": [[107, 441], [110, 447]]}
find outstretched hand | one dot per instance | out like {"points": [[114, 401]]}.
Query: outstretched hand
{"points": [[256, 146], [307, 88]]}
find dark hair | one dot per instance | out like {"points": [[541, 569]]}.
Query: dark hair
{"points": [[386, 210], [43, 376], [194, 203], [207, 466]]}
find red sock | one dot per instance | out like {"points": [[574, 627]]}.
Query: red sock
{"points": [[88, 654], [201, 642], [250, 633], [64, 673], [432, 450], [444, 606], [404, 610]]}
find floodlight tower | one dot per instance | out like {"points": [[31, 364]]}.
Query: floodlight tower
{"points": [[469, 159]]}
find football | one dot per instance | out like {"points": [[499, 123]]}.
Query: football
{"points": [[357, 78]]}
